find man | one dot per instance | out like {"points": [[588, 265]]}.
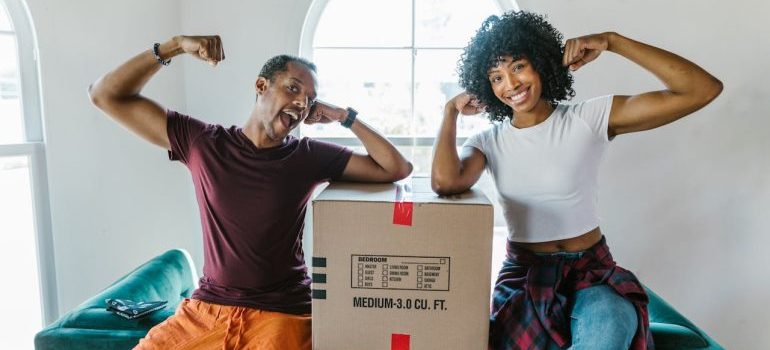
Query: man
{"points": [[252, 184]]}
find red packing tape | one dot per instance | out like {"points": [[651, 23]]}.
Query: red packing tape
{"points": [[403, 207], [399, 341]]}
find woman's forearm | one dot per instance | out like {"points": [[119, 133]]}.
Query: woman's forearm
{"points": [[446, 168]]}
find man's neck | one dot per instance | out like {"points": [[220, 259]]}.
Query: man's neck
{"points": [[255, 132]]}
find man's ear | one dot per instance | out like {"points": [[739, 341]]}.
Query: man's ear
{"points": [[261, 85]]}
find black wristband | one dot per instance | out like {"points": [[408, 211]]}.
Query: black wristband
{"points": [[156, 53], [352, 113]]}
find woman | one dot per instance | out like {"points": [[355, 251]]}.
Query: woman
{"points": [[559, 286]]}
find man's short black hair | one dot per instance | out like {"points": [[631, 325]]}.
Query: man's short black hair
{"points": [[279, 64], [521, 35]]}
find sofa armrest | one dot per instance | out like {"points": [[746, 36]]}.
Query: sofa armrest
{"points": [[170, 276], [671, 330]]}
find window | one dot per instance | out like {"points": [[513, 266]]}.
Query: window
{"points": [[26, 257], [395, 62], [10, 102]]}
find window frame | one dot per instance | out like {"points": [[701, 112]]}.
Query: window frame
{"points": [[312, 19], [33, 148]]}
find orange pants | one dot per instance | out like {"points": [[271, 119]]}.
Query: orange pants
{"points": [[201, 325]]}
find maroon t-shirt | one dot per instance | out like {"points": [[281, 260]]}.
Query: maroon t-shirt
{"points": [[252, 205]]}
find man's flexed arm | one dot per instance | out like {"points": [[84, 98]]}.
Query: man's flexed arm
{"points": [[382, 163], [117, 93]]}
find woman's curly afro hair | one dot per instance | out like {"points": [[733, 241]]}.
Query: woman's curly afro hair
{"points": [[518, 34]]}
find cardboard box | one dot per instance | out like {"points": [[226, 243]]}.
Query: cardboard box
{"points": [[395, 267]]}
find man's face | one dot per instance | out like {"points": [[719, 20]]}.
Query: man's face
{"points": [[285, 101]]}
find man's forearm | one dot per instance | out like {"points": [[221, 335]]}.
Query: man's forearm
{"points": [[128, 79], [381, 150]]}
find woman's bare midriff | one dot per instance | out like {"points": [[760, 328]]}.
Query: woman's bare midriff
{"points": [[575, 244]]}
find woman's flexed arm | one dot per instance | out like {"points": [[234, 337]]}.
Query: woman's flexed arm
{"points": [[452, 173], [688, 87]]}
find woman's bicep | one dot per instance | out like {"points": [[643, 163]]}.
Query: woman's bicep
{"points": [[648, 110], [472, 164]]}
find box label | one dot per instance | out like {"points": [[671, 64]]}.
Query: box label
{"points": [[399, 272], [400, 303]]}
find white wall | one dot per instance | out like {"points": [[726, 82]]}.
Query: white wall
{"points": [[115, 200], [684, 207], [252, 32]]}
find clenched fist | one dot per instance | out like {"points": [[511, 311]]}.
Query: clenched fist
{"points": [[466, 104], [581, 50], [324, 112], [207, 48]]}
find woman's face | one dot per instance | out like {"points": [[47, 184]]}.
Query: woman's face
{"points": [[516, 83]]}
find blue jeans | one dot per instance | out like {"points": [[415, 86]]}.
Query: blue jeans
{"points": [[601, 319]]}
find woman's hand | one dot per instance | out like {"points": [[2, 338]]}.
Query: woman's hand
{"points": [[465, 104], [581, 50]]}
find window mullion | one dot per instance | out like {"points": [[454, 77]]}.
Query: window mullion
{"points": [[42, 222], [395, 140], [361, 47], [414, 84], [17, 149]]}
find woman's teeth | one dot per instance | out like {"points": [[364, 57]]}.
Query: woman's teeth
{"points": [[518, 97]]}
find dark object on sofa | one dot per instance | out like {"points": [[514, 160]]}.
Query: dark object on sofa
{"points": [[133, 309]]}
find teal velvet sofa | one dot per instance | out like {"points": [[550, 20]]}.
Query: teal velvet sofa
{"points": [[171, 276], [671, 330]]}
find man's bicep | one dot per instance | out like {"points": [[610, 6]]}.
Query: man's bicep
{"points": [[362, 168], [143, 117]]}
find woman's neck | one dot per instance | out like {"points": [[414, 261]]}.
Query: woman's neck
{"points": [[536, 115]]}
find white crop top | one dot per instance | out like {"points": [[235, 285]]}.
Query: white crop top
{"points": [[547, 175]]}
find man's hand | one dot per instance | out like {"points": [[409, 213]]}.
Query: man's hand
{"points": [[324, 113], [581, 50], [465, 104], [207, 48]]}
